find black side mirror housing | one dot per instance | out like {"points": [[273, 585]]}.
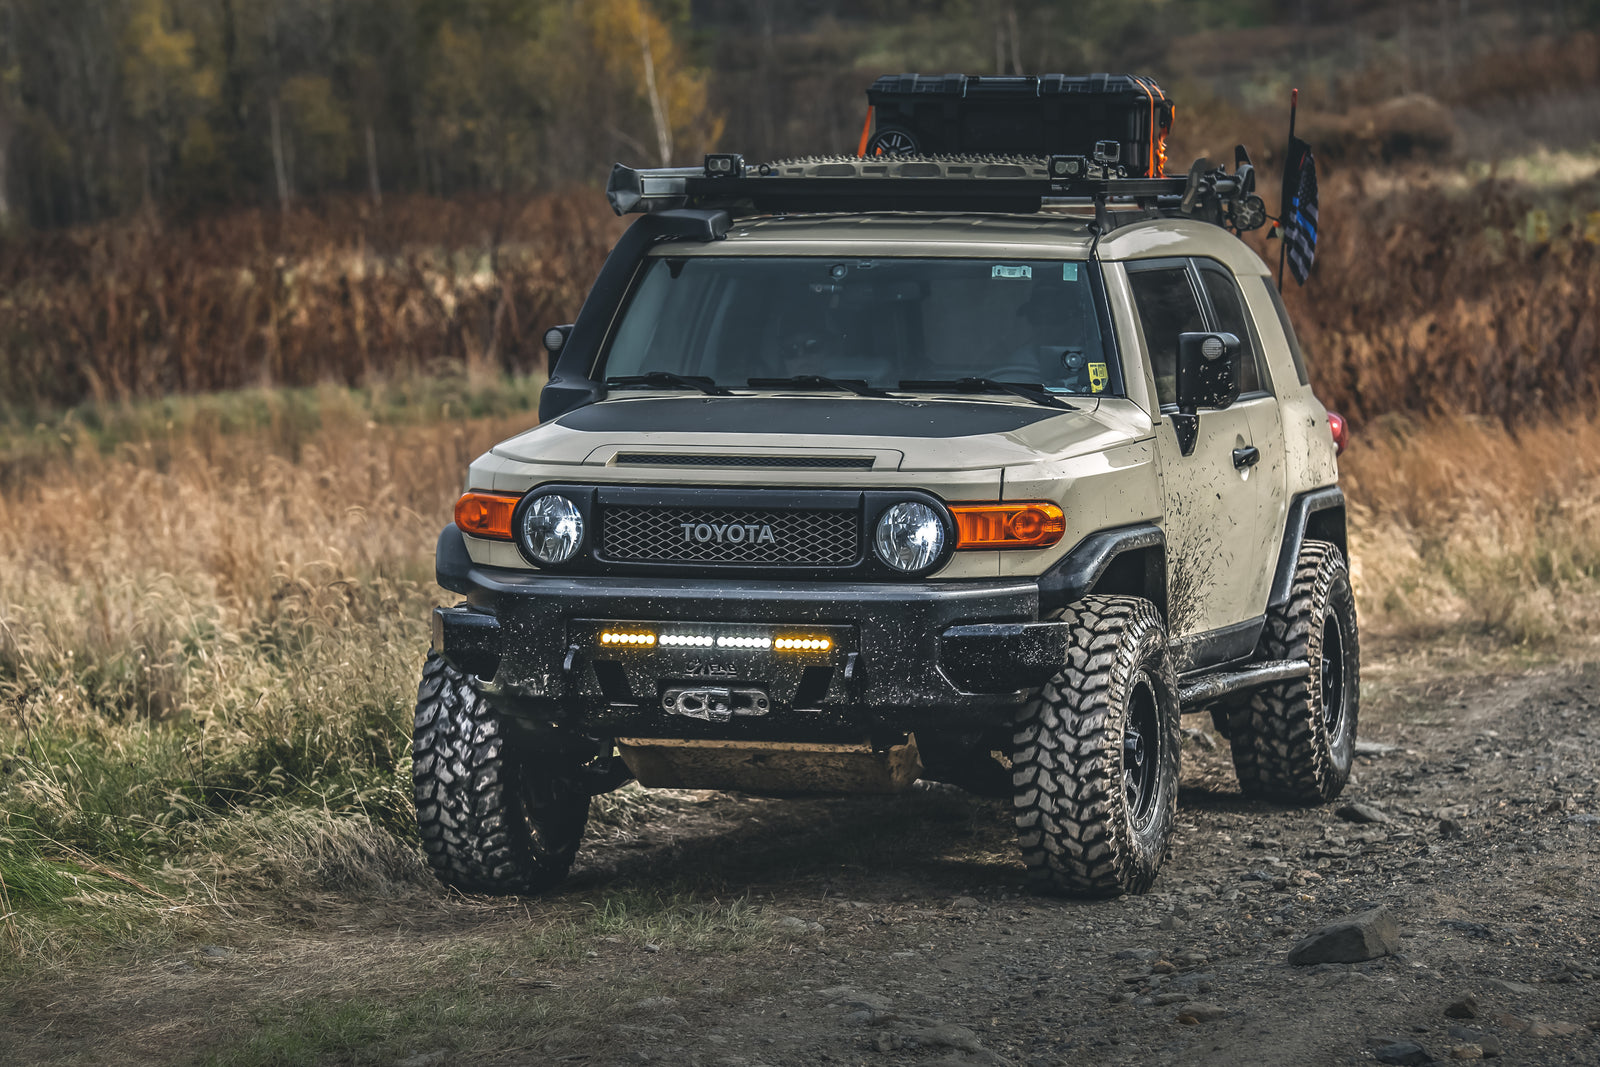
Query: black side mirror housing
{"points": [[1208, 377]]}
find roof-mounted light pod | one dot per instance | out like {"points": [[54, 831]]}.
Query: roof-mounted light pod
{"points": [[1067, 168], [724, 165]]}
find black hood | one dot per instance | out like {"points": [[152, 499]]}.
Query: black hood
{"points": [[799, 416]]}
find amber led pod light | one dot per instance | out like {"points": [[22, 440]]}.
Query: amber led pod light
{"points": [[1035, 525], [486, 515]]}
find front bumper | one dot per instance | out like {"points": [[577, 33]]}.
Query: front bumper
{"points": [[901, 655]]}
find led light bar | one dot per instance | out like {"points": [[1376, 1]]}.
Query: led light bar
{"points": [[802, 644], [611, 637], [744, 642], [639, 638], [687, 640]]}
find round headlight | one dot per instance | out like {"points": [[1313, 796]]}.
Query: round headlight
{"points": [[909, 537], [552, 529]]}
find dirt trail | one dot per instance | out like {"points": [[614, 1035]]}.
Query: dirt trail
{"points": [[898, 933]]}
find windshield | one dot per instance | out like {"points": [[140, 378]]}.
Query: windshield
{"points": [[881, 321]]}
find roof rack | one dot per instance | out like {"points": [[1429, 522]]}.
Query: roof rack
{"points": [[1007, 185]]}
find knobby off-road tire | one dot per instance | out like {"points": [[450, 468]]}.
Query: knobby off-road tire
{"points": [[1294, 742], [1095, 756], [493, 816]]}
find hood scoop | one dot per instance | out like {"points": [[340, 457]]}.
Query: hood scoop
{"points": [[767, 462]]}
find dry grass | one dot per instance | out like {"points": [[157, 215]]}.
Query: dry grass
{"points": [[212, 615], [334, 292], [1432, 293], [1431, 299], [1462, 525], [203, 634]]}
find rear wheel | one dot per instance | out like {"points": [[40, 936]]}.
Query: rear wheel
{"points": [[494, 815], [1095, 755], [1294, 742]]}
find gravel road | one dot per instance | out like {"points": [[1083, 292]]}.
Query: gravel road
{"points": [[897, 932], [1473, 818]]}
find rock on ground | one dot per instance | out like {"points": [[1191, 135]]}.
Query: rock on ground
{"points": [[1365, 936]]}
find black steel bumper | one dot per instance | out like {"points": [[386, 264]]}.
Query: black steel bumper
{"points": [[900, 655]]}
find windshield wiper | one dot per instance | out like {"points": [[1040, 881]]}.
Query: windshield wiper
{"points": [[665, 379], [817, 381], [1036, 393]]}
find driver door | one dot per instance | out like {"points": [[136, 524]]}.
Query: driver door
{"points": [[1222, 500]]}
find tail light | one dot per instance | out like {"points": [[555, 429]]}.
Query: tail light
{"points": [[1341, 431]]}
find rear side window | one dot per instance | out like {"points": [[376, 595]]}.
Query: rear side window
{"points": [[1228, 305], [1288, 333], [1167, 307]]}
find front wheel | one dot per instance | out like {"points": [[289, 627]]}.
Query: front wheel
{"points": [[494, 816], [1095, 756], [1294, 742]]}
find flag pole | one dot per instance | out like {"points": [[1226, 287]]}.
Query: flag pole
{"points": [[1283, 243]]}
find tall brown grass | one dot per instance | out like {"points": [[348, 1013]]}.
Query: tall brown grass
{"points": [[211, 629], [1462, 525], [334, 292], [1430, 295]]}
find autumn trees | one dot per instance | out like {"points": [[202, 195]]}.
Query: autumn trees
{"points": [[108, 106]]}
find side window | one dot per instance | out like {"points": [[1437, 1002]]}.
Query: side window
{"points": [[1228, 304], [1289, 335], [1167, 307]]}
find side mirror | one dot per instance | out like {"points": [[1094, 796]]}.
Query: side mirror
{"points": [[1208, 377]]}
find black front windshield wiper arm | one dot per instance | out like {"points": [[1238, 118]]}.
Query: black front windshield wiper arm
{"points": [[1036, 393], [665, 379], [817, 381]]}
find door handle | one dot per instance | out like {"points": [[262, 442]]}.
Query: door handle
{"points": [[1248, 456]]}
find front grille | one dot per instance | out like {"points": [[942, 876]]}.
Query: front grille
{"points": [[798, 538], [674, 459]]}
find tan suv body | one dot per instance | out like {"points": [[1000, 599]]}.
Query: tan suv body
{"points": [[662, 635]]}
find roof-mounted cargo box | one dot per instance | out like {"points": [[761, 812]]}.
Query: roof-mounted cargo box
{"points": [[1043, 115]]}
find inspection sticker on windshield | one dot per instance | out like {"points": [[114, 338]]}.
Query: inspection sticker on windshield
{"points": [[1099, 375], [1001, 270], [1069, 272]]}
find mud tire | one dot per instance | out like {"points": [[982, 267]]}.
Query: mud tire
{"points": [[1286, 746], [492, 815], [1090, 822]]}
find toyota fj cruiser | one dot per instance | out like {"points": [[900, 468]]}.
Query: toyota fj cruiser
{"points": [[861, 470]]}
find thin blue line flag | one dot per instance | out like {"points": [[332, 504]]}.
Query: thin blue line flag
{"points": [[1299, 211]]}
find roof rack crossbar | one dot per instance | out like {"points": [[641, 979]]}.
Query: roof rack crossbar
{"points": [[850, 184], [872, 186]]}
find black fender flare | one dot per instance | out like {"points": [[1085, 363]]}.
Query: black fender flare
{"points": [[1318, 514], [451, 562], [1081, 570]]}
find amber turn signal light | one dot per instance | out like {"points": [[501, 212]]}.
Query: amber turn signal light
{"points": [[486, 515], [1037, 525]]}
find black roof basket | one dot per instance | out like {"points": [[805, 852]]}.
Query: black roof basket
{"points": [[956, 184]]}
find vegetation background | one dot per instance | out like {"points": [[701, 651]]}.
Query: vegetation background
{"points": [[273, 272]]}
